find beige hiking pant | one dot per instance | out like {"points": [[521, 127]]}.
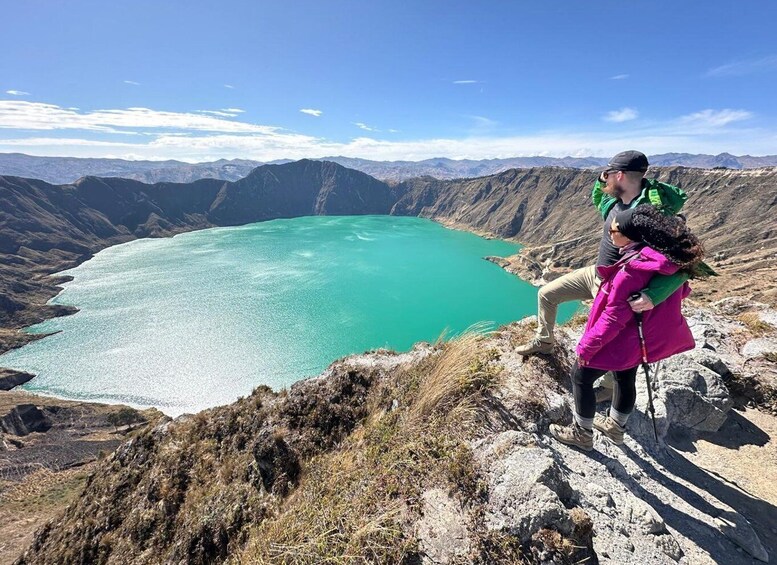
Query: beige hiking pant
{"points": [[580, 284]]}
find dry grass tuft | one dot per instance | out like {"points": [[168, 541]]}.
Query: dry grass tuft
{"points": [[460, 374], [578, 320], [754, 324], [357, 504]]}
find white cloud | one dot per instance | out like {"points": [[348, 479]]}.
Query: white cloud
{"points": [[39, 116], [223, 113], [17, 93], [132, 82], [465, 82], [296, 146], [197, 137], [229, 86], [741, 68], [311, 112], [481, 122], [715, 118], [219, 113], [364, 126], [622, 115], [619, 77]]}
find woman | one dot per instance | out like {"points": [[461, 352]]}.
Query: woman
{"points": [[651, 244]]}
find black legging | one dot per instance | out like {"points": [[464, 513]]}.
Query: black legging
{"points": [[624, 393]]}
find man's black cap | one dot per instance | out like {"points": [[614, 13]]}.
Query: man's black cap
{"points": [[628, 161]]}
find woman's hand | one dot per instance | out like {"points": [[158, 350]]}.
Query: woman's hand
{"points": [[641, 304]]}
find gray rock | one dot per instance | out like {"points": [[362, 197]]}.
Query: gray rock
{"points": [[694, 396], [757, 347], [669, 546], [642, 515], [736, 528], [598, 496], [25, 419], [527, 492], [442, 532], [734, 305], [10, 378], [557, 407], [769, 316], [711, 360]]}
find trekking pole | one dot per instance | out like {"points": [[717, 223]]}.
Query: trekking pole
{"points": [[645, 368]]}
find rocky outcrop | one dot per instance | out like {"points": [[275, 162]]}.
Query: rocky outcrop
{"points": [[10, 378], [239, 481], [24, 419], [52, 434]]}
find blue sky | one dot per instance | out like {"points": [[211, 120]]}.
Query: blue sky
{"points": [[269, 79]]}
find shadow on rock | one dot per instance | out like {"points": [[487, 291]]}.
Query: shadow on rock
{"points": [[753, 535], [736, 432]]}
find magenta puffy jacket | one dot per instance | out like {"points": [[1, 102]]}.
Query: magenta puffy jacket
{"points": [[611, 338]]}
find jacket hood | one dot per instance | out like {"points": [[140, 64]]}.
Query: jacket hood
{"points": [[651, 260]]}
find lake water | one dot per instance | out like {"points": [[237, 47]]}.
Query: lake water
{"points": [[196, 320]]}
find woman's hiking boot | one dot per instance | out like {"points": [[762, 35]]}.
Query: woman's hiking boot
{"points": [[535, 346], [610, 428], [573, 435]]}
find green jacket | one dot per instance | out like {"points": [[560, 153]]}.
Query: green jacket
{"points": [[667, 198]]}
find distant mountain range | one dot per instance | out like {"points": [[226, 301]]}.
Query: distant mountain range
{"points": [[61, 170]]}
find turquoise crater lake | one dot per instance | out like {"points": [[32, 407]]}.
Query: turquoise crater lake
{"points": [[196, 320]]}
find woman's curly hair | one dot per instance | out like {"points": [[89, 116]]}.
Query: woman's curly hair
{"points": [[670, 236]]}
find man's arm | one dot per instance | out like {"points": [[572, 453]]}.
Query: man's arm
{"points": [[601, 199], [662, 287]]}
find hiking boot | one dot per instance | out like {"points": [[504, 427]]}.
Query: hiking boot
{"points": [[534, 346], [603, 394], [610, 428], [573, 435]]}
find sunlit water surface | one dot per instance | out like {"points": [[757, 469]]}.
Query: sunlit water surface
{"points": [[196, 320]]}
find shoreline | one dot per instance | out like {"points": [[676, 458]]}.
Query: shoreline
{"points": [[23, 337]]}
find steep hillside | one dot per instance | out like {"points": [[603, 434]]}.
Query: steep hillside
{"points": [[549, 210], [439, 455]]}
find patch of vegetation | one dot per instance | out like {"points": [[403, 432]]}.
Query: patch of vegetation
{"points": [[355, 504], [750, 391], [44, 489], [550, 546], [754, 324], [125, 416], [579, 319], [26, 505]]}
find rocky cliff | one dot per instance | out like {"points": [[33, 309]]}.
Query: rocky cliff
{"points": [[439, 455]]}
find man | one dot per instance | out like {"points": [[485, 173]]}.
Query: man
{"points": [[620, 186]]}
